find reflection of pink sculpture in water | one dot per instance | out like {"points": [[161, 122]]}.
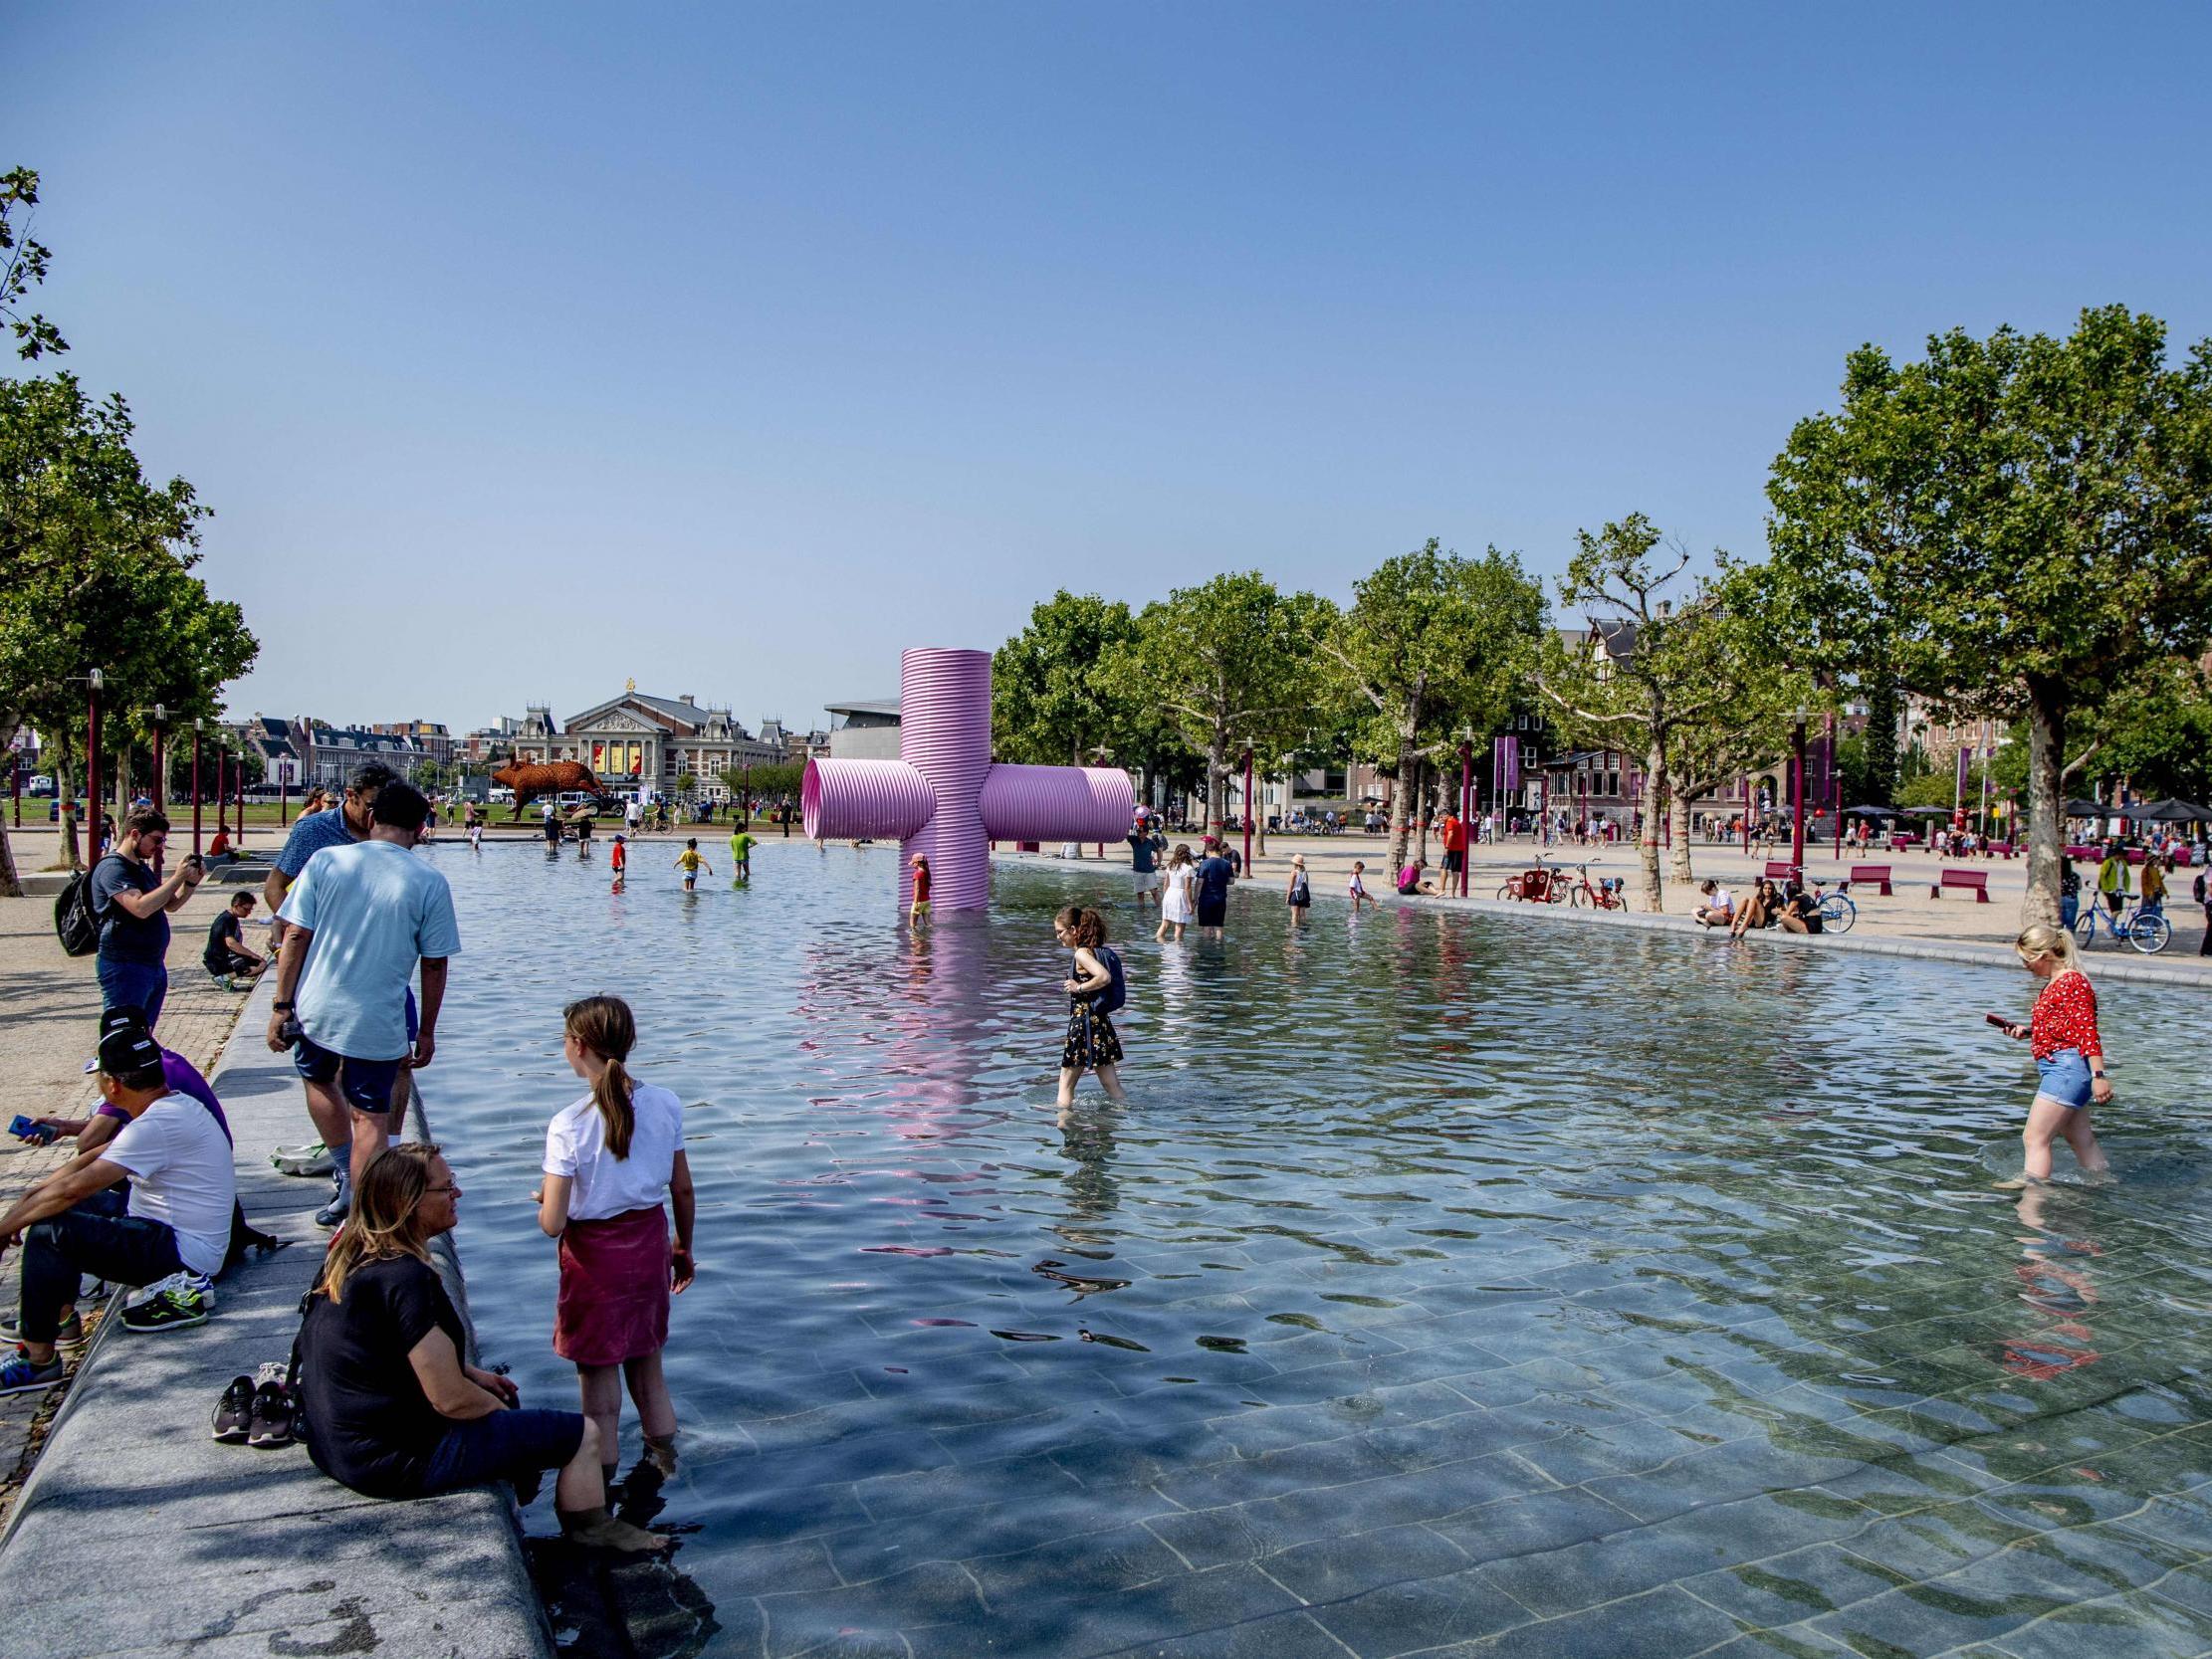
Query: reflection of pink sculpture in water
{"points": [[943, 797]]}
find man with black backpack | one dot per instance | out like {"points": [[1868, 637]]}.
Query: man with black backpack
{"points": [[131, 906]]}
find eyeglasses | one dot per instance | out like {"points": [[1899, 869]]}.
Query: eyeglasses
{"points": [[453, 1188]]}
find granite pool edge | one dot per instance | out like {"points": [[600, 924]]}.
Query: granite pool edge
{"points": [[227, 1545]]}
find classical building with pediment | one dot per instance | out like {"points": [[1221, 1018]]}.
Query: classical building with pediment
{"points": [[635, 739]]}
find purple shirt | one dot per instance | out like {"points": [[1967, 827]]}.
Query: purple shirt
{"points": [[184, 1078]]}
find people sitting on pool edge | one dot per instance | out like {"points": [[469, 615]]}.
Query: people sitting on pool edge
{"points": [[391, 1408], [1801, 908], [175, 1218], [1758, 909], [1409, 880], [1719, 906]]}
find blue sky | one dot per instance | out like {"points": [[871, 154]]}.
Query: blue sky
{"points": [[525, 349]]}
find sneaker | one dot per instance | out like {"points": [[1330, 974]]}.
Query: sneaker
{"points": [[234, 1412], [272, 1416], [311, 1157], [333, 1213], [186, 1304], [19, 1376], [71, 1335]]}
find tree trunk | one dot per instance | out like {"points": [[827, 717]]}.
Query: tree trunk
{"points": [[2046, 800], [1216, 790], [1399, 809], [1646, 840], [1677, 823], [1420, 806], [1259, 810], [66, 788]]}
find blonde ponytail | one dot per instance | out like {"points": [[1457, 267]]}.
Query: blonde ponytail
{"points": [[2040, 939]]}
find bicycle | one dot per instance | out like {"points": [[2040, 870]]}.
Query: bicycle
{"points": [[1604, 894], [1540, 885], [2147, 931], [1838, 912]]}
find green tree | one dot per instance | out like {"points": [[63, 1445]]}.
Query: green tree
{"points": [[2020, 523], [22, 262], [1232, 663], [1877, 777], [1648, 671], [1434, 642], [1053, 699], [96, 565]]}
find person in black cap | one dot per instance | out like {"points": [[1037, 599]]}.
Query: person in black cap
{"points": [[176, 1220]]}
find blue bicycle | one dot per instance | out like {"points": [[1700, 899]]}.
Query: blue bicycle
{"points": [[2147, 931]]}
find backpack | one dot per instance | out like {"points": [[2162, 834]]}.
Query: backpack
{"points": [[76, 922], [1115, 997]]}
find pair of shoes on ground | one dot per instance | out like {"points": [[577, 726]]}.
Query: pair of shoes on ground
{"points": [[173, 1303], [256, 1411], [71, 1332]]}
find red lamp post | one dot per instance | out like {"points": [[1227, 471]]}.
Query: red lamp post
{"points": [[197, 724], [1797, 793], [1248, 813], [1467, 785]]}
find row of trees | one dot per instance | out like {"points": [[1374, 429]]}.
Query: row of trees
{"points": [[2017, 528], [96, 559]]}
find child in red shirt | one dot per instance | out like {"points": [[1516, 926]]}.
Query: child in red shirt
{"points": [[921, 889]]}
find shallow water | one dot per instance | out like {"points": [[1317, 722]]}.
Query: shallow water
{"points": [[1449, 1279]]}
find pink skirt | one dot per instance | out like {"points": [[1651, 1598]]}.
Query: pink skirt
{"points": [[613, 1289]]}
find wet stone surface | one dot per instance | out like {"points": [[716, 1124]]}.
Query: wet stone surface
{"points": [[1452, 1286]]}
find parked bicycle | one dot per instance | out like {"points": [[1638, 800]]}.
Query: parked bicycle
{"points": [[1538, 885], [1604, 894], [2147, 931], [1838, 912]]}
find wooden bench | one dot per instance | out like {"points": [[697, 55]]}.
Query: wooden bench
{"points": [[1978, 880], [1875, 875]]}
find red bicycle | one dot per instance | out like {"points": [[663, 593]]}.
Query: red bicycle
{"points": [[1607, 893]]}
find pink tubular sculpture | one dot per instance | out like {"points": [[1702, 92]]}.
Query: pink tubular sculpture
{"points": [[944, 799]]}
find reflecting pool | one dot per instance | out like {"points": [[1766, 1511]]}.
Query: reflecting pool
{"points": [[1450, 1285]]}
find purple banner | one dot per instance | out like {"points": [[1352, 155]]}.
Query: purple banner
{"points": [[1505, 769], [1963, 763]]}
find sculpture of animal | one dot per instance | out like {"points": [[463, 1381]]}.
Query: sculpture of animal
{"points": [[530, 782]]}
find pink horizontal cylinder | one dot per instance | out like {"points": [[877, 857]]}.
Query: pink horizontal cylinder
{"points": [[865, 798], [1057, 803]]}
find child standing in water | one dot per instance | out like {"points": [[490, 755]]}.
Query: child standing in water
{"points": [[1300, 891], [1176, 905], [1092, 1044], [620, 857], [1357, 886], [691, 861], [611, 1160], [920, 906]]}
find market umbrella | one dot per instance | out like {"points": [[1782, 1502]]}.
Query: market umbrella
{"points": [[1927, 812], [1870, 812], [2087, 809], [2171, 812]]}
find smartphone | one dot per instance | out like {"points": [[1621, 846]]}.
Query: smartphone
{"points": [[1999, 1022], [288, 1031]]}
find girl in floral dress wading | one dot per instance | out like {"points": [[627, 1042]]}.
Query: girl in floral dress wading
{"points": [[1092, 1044]]}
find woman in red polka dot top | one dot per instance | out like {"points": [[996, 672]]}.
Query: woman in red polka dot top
{"points": [[2070, 1056]]}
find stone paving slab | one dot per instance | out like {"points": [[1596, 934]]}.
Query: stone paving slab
{"points": [[137, 1533]]}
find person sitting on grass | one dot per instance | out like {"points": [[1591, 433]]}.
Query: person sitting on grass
{"points": [[1718, 905], [227, 957], [176, 1220], [391, 1408]]}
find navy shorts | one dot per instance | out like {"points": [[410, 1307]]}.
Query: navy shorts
{"points": [[510, 1445]]}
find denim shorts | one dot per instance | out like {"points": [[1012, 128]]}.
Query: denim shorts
{"points": [[512, 1445], [2064, 1077]]}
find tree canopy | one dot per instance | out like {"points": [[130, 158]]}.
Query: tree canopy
{"points": [[2019, 525]]}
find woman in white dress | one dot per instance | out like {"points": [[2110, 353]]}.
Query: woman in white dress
{"points": [[1177, 903]]}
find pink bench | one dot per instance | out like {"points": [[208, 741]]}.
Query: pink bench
{"points": [[1873, 875], [1978, 880]]}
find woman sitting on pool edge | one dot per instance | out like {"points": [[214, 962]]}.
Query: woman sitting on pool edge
{"points": [[392, 1410]]}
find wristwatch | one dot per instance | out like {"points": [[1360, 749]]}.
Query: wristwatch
{"points": [[281, 1007]]}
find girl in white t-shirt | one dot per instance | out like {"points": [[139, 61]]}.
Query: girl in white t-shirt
{"points": [[611, 1157]]}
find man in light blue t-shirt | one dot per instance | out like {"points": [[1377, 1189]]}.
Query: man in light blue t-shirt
{"points": [[361, 918], [342, 826]]}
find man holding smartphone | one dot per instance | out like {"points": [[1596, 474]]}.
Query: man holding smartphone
{"points": [[133, 905]]}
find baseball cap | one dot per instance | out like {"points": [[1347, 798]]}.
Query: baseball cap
{"points": [[127, 1049], [123, 1017]]}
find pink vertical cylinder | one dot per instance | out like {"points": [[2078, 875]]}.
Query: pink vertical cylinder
{"points": [[945, 734]]}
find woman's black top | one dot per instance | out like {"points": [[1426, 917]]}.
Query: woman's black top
{"points": [[368, 1422]]}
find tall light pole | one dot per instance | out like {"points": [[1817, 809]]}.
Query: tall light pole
{"points": [[197, 726], [1797, 792], [1834, 786], [92, 682], [1247, 814], [161, 782], [1466, 784]]}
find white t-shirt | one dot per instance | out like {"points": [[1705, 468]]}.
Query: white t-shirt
{"points": [[180, 1175], [575, 1145], [1722, 899]]}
